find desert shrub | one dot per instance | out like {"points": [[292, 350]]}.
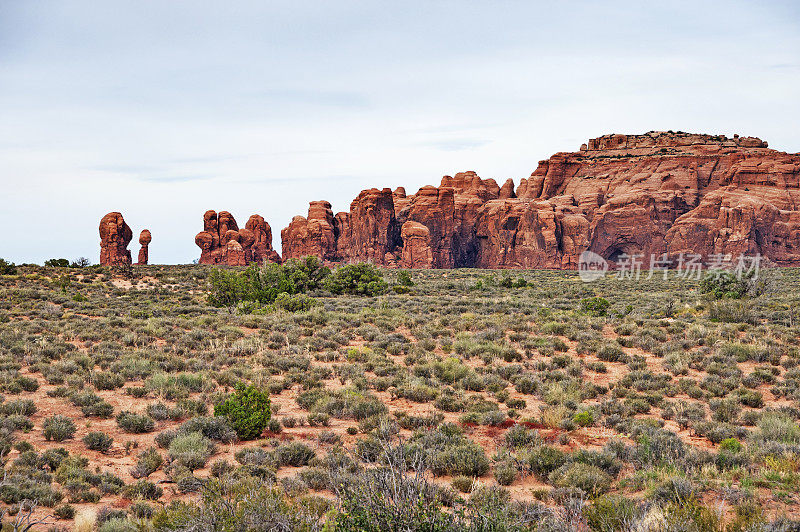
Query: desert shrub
{"points": [[595, 306], [191, 451], [107, 381], [611, 513], [777, 427], [655, 446], [294, 303], [118, 524], [505, 472], [729, 311], [21, 407], [134, 423], [356, 279], [226, 503], [730, 444], [462, 458], [544, 459], [462, 483], [521, 436], [588, 478], [294, 454], [611, 353], [725, 410], [100, 409], [58, 428], [247, 411], [674, 489], [98, 441], [215, 428], [144, 489], [65, 511], [147, 463]]}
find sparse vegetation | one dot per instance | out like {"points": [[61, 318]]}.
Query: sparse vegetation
{"points": [[459, 392]]}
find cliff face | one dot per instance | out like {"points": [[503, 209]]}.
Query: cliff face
{"points": [[620, 194]]}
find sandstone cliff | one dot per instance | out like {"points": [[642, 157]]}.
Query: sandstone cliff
{"points": [[656, 193]]}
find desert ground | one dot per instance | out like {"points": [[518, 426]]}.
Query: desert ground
{"points": [[490, 400]]}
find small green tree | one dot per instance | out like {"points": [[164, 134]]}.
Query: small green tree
{"points": [[7, 268], [228, 289], [57, 263], [357, 279], [247, 410], [722, 284], [595, 306], [404, 278]]}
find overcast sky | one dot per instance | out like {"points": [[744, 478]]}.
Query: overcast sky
{"points": [[164, 109]]}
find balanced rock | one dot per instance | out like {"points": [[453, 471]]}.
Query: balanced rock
{"points": [[144, 241]]}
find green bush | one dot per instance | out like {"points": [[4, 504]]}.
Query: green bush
{"points": [[462, 483], [611, 513], [721, 284], [584, 419], [65, 511], [58, 428], [544, 459], [57, 263], [228, 288], [404, 278], [144, 489], [147, 463], [356, 279], [505, 472], [248, 411], [271, 283], [98, 441], [191, 451], [588, 478], [135, 423], [107, 381], [7, 268], [294, 454], [294, 303], [730, 444], [595, 306]]}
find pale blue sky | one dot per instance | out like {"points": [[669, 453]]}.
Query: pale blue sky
{"points": [[164, 109]]}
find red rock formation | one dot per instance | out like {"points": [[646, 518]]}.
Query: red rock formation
{"points": [[314, 235], [417, 251], [115, 235], [222, 242], [674, 193], [144, 240]]}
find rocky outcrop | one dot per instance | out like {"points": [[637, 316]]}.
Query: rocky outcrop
{"points": [[651, 194], [144, 241], [115, 235], [417, 252], [222, 242]]}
